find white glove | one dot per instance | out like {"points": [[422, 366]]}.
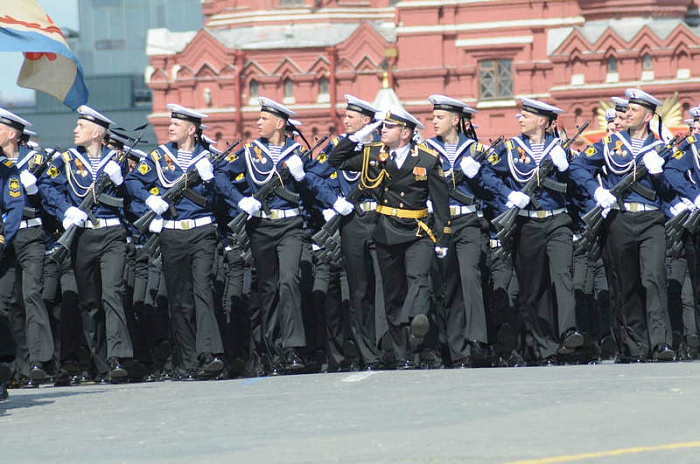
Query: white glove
{"points": [[114, 172], [329, 214], [653, 162], [296, 167], [250, 205], [559, 158], [518, 199], [156, 225], [205, 169], [362, 134], [342, 206], [441, 252], [695, 203], [470, 167], [157, 204], [29, 181], [604, 198], [73, 216], [429, 205]]}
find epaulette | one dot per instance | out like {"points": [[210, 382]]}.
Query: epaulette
{"points": [[335, 141], [248, 145], [374, 144], [66, 156], [155, 155], [509, 144], [691, 139], [606, 139], [8, 163], [426, 149]]}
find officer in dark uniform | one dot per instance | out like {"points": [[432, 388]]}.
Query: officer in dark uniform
{"points": [[277, 237], [466, 328], [367, 318], [543, 250], [187, 239], [634, 232], [403, 175], [99, 248], [27, 253]]}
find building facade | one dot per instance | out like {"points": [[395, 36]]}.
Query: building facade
{"points": [[575, 54]]}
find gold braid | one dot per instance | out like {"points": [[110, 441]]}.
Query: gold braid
{"points": [[365, 180]]}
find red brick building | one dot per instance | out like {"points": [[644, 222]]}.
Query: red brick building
{"points": [[575, 54]]}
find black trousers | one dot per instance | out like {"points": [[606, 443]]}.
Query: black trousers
{"points": [[367, 317], [24, 291], [98, 260], [464, 299], [543, 261], [276, 246], [405, 269], [504, 320], [188, 263], [681, 307], [637, 246], [60, 296]]}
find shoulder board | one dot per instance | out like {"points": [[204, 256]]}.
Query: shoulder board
{"points": [[248, 145], [691, 139], [426, 149], [335, 141], [374, 144], [606, 139], [155, 155], [66, 156], [8, 163], [509, 144]]}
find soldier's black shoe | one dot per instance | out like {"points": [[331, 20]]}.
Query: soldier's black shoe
{"points": [[211, 363], [276, 370], [420, 325], [693, 340], [116, 373], [369, 367], [61, 379], [71, 366], [5, 373], [663, 352], [549, 361], [608, 347], [481, 355], [293, 362], [572, 339], [464, 363], [3, 391], [37, 373], [405, 365]]}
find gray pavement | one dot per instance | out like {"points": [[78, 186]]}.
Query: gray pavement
{"points": [[447, 416]]}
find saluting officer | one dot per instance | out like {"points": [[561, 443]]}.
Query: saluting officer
{"points": [[99, 249], [403, 175], [27, 250], [634, 232], [277, 237], [367, 318], [187, 238], [543, 248], [466, 331]]}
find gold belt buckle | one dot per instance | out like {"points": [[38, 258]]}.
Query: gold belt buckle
{"points": [[394, 212], [186, 224], [275, 214], [541, 214], [454, 210], [634, 207]]}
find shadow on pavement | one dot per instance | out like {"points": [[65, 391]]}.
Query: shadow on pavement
{"points": [[20, 401]]}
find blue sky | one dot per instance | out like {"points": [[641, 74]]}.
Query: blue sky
{"points": [[65, 14]]}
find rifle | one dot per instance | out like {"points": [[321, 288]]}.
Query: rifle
{"points": [[95, 194], [594, 218], [180, 189], [274, 185], [505, 222], [674, 231]]}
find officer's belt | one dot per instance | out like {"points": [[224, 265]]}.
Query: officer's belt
{"points": [[187, 224], [462, 210], [402, 213], [541, 213], [30, 223], [636, 207], [101, 223], [278, 213], [368, 206], [494, 243]]}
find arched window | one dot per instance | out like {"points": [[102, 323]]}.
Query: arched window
{"points": [[253, 89], [323, 90], [612, 64], [288, 91], [647, 62]]}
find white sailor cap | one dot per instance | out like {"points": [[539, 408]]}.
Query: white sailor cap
{"points": [[12, 120], [441, 102], [361, 106], [185, 114], [642, 98], [518, 116], [621, 105], [398, 115], [121, 139], [695, 113], [271, 106], [29, 133], [208, 140], [88, 114], [610, 114], [540, 108]]}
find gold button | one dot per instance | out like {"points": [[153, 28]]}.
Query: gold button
{"points": [[400, 205], [386, 189], [402, 194], [386, 201]]}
